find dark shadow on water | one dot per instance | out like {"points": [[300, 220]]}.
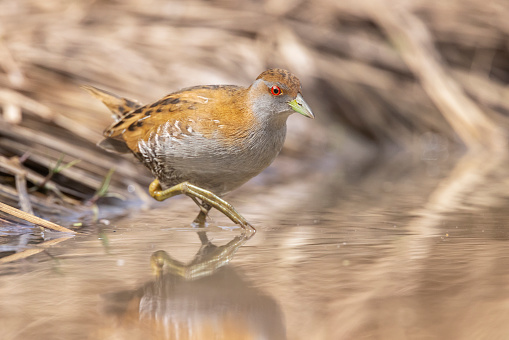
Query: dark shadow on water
{"points": [[202, 299]]}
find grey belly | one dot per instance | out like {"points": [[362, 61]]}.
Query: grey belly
{"points": [[202, 162]]}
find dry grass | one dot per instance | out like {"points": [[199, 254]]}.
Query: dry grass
{"points": [[387, 71]]}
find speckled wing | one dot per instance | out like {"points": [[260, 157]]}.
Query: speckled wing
{"points": [[201, 102]]}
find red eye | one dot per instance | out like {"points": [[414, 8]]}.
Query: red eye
{"points": [[275, 90]]}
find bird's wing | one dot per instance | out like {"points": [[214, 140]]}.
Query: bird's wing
{"points": [[186, 111]]}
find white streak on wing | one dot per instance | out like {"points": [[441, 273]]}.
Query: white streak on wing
{"points": [[164, 130], [205, 99], [142, 146]]}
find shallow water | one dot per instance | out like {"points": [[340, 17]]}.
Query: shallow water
{"points": [[402, 248]]}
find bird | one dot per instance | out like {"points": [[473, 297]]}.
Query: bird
{"points": [[205, 141]]}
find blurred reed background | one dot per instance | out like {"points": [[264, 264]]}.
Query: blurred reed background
{"points": [[378, 74]]}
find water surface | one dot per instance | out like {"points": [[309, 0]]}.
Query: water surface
{"points": [[403, 248]]}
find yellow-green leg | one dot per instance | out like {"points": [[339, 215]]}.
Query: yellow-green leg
{"points": [[202, 216], [207, 197], [201, 219]]}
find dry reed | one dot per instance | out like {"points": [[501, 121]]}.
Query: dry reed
{"points": [[387, 71]]}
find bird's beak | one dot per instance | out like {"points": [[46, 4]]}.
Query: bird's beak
{"points": [[300, 106]]}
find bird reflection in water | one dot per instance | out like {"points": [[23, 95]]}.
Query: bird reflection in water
{"points": [[203, 299]]}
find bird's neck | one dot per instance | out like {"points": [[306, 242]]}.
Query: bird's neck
{"points": [[267, 138]]}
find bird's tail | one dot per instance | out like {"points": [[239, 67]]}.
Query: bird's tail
{"points": [[117, 105]]}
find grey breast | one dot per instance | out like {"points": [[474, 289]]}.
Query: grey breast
{"points": [[176, 153]]}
